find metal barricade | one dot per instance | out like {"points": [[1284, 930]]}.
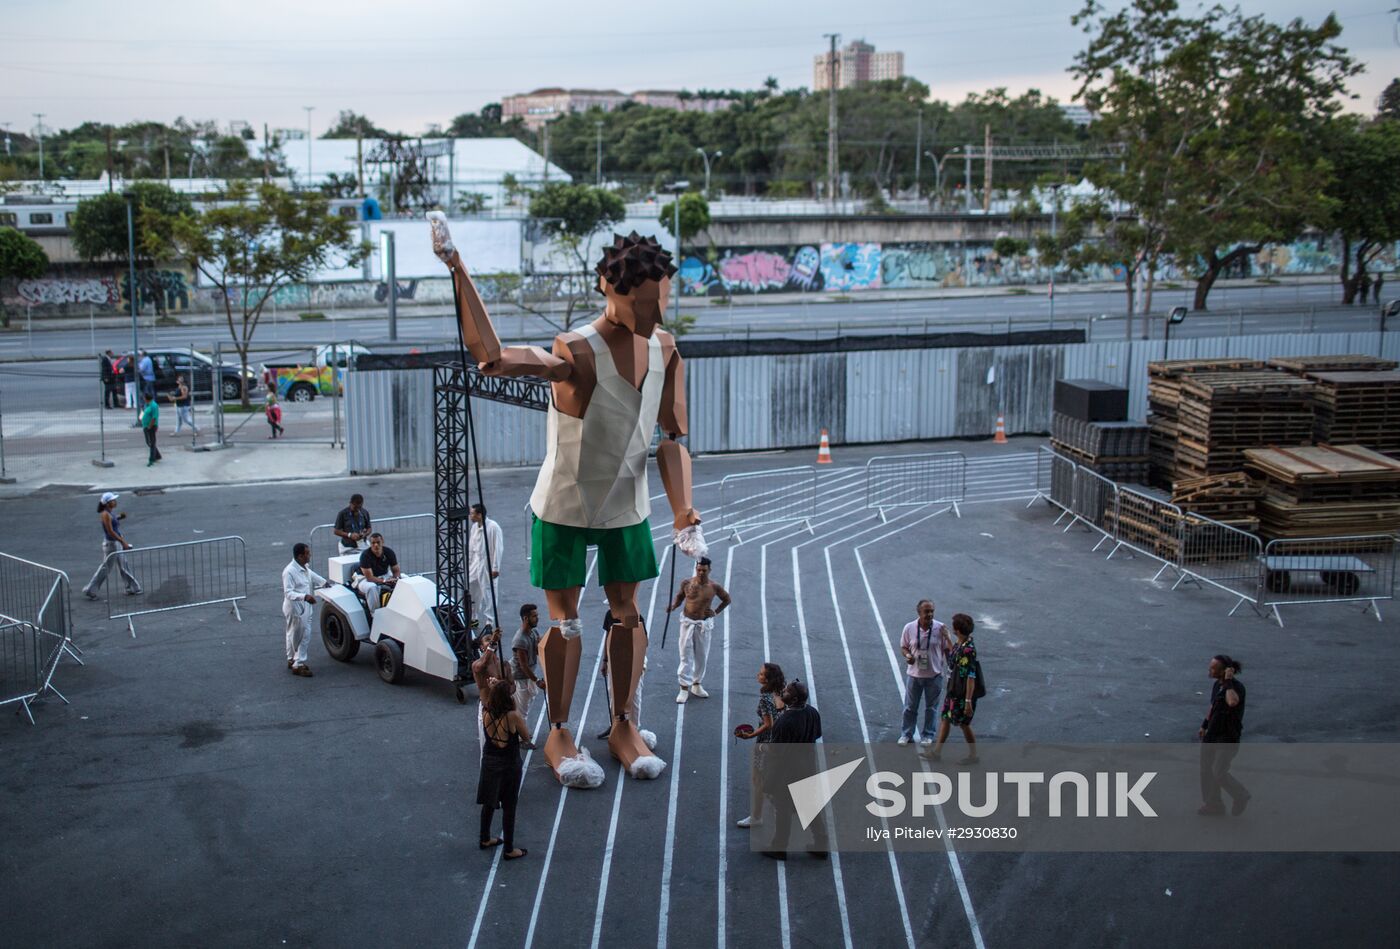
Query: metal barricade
{"points": [[1148, 526], [1221, 555], [36, 630], [179, 576], [1054, 481], [916, 481], [762, 498], [1094, 503], [28, 657], [413, 538], [1328, 570]]}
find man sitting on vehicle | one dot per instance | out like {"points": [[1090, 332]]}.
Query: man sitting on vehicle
{"points": [[379, 571]]}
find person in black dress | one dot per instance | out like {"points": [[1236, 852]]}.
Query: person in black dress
{"points": [[499, 783], [1220, 739]]}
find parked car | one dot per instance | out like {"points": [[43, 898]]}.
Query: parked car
{"points": [[171, 364], [302, 382]]}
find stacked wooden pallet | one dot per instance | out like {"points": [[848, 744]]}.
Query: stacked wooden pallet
{"points": [[1141, 518], [1164, 380], [1221, 415], [1303, 365], [1358, 407], [1325, 490], [1228, 498]]}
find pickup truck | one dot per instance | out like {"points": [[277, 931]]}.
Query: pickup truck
{"points": [[302, 382]]}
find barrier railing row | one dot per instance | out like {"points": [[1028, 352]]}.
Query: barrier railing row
{"points": [[176, 577], [412, 537], [1204, 551], [36, 630], [915, 481]]}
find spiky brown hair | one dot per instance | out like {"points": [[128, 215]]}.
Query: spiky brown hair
{"points": [[633, 260]]}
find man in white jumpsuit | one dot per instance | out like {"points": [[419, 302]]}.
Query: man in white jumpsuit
{"points": [[298, 606], [486, 538]]}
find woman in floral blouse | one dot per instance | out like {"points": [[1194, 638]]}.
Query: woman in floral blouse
{"points": [[958, 703], [770, 686]]}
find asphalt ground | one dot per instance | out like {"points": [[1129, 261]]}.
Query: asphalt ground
{"points": [[196, 793]]}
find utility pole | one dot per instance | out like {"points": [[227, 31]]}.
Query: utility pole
{"points": [[967, 177], [39, 133], [309, 109], [267, 158], [544, 132], [598, 154], [987, 171], [918, 152], [109, 159], [6, 127], [1054, 233], [131, 261], [831, 153]]}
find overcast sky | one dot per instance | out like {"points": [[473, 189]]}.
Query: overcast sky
{"points": [[411, 62]]}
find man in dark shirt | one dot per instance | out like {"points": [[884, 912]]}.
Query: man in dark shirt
{"points": [[352, 525], [797, 723], [1220, 739], [111, 397], [379, 571]]}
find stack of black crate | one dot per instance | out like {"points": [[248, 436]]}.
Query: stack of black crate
{"points": [[1090, 427]]}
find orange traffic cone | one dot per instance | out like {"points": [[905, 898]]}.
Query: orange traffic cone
{"points": [[1000, 437], [824, 452]]}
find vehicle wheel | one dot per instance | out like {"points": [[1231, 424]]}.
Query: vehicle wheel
{"points": [[301, 392], [388, 655], [1341, 583], [230, 389], [337, 636], [1277, 581]]}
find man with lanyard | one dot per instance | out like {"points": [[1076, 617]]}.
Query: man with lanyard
{"points": [[352, 525], [923, 645], [379, 571]]}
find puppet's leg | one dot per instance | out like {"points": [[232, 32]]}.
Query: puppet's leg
{"points": [[561, 648], [626, 647]]}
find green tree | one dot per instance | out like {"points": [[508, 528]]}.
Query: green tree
{"points": [[1365, 193], [488, 123], [254, 241], [21, 258], [1102, 233], [353, 125], [695, 215], [1221, 115], [99, 231], [572, 214], [1389, 105]]}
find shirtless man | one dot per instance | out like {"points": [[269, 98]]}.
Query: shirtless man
{"points": [[698, 593], [612, 381]]}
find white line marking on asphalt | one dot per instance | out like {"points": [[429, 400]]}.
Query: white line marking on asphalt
{"points": [[524, 772], [621, 783], [664, 917], [721, 925], [784, 922], [954, 863]]}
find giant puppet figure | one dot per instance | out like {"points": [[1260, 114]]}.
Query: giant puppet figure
{"points": [[612, 381]]}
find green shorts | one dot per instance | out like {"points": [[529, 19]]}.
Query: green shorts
{"points": [[559, 554]]}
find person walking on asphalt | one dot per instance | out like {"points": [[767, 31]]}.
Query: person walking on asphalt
{"points": [[107, 364], [698, 593], [960, 703], [799, 723], [150, 424], [147, 369], [112, 543], [498, 785], [273, 413], [1220, 739], [924, 645], [299, 605], [771, 683], [184, 406], [352, 525]]}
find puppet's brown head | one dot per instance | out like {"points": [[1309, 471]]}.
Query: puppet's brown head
{"points": [[635, 275]]}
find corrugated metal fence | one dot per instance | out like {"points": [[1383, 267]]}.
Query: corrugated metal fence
{"points": [[747, 403]]}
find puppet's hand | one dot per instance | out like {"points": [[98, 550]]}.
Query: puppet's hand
{"points": [[691, 541], [442, 237]]}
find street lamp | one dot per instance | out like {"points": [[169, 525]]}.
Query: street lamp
{"points": [[1054, 233], [39, 133], [707, 159], [1177, 315], [130, 198], [598, 154], [309, 109]]}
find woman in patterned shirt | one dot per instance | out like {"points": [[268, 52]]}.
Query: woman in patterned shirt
{"points": [[959, 704], [770, 685]]}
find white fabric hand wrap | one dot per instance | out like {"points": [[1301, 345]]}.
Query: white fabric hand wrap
{"points": [[691, 541], [442, 237], [571, 628]]}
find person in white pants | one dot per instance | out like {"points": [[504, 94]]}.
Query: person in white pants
{"points": [[698, 593], [112, 543], [484, 551], [298, 606]]}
